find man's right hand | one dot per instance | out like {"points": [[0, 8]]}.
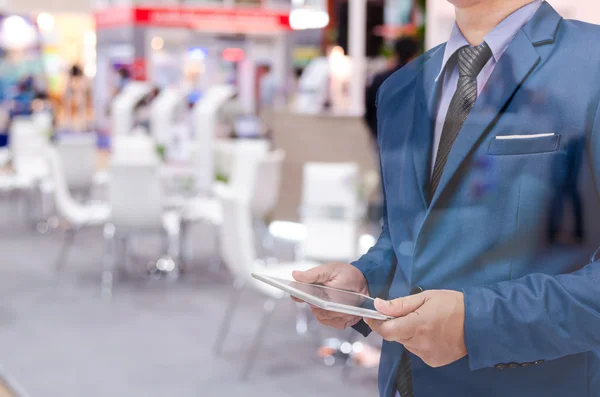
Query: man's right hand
{"points": [[335, 275]]}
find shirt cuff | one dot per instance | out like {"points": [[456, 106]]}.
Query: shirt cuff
{"points": [[362, 328]]}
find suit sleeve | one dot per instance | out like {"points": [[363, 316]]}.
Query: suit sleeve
{"points": [[538, 317], [379, 263], [378, 266]]}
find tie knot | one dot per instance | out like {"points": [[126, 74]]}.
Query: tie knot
{"points": [[472, 59]]}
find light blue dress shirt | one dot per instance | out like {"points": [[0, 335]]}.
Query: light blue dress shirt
{"points": [[498, 40]]}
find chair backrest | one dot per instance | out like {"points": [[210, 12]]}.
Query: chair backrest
{"points": [[237, 243], [268, 183], [136, 149], [135, 196], [66, 206], [330, 240], [78, 155], [236, 238], [246, 156], [43, 122], [202, 160], [28, 147], [329, 211], [333, 185]]}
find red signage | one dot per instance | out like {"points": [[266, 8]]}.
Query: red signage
{"points": [[114, 17], [219, 20], [138, 70]]}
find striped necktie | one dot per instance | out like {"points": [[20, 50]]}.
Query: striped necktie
{"points": [[471, 61]]}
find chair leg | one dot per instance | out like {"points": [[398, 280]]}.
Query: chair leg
{"points": [[267, 240], [69, 236], [167, 264], [215, 265], [181, 257], [109, 260], [269, 309], [174, 253], [238, 287], [27, 206]]}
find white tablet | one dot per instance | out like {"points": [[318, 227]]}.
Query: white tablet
{"points": [[332, 299]]}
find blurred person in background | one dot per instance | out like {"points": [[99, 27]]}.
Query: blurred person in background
{"points": [[405, 50], [22, 100], [124, 78], [76, 99], [472, 135]]}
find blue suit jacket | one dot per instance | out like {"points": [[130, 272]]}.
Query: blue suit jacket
{"points": [[514, 223]]}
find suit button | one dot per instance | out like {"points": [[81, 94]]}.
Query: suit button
{"points": [[416, 290], [513, 365], [500, 366], [538, 362]]}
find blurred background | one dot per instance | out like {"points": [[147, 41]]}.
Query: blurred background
{"points": [[155, 153]]}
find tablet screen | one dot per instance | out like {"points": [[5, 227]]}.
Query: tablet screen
{"points": [[331, 295]]}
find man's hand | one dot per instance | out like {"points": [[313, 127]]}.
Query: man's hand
{"points": [[429, 324], [335, 275]]}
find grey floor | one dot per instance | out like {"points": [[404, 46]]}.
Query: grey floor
{"points": [[58, 338]]}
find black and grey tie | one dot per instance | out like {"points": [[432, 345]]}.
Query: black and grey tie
{"points": [[471, 61], [404, 381]]}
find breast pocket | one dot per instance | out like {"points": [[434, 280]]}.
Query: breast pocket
{"points": [[506, 145]]}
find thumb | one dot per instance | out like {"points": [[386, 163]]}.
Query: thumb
{"points": [[317, 275], [400, 307]]}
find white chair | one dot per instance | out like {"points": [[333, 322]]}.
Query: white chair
{"points": [[43, 121], [268, 183], [134, 149], [330, 240], [330, 185], [4, 156], [76, 214], [242, 181], [27, 146], [237, 250], [266, 195], [136, 199], [78, 154], [246, 154], [330, 212]]}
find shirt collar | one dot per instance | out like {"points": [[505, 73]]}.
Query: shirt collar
{"points": [[498, 39]]}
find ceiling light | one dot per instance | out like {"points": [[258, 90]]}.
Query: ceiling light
{"points": [[157, 43], [45, 21]]}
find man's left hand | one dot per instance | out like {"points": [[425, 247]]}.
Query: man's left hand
{"points": [[430, 325]]}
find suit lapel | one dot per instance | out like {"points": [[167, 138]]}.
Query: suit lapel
{"points": [[517, 63], [427, 90], [515, 66]]}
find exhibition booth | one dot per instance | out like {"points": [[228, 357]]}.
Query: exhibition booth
{"points": [[153, 156]]}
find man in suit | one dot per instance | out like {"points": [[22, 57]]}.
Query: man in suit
{"points": [[471, 136]]}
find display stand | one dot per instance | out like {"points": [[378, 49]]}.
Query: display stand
{"points": [[123, 106], [164, 113], [205, 121], [313, 87], [222, 45]]}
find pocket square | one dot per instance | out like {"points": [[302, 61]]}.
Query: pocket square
{"points": [[534, 136], [524, 144]]}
